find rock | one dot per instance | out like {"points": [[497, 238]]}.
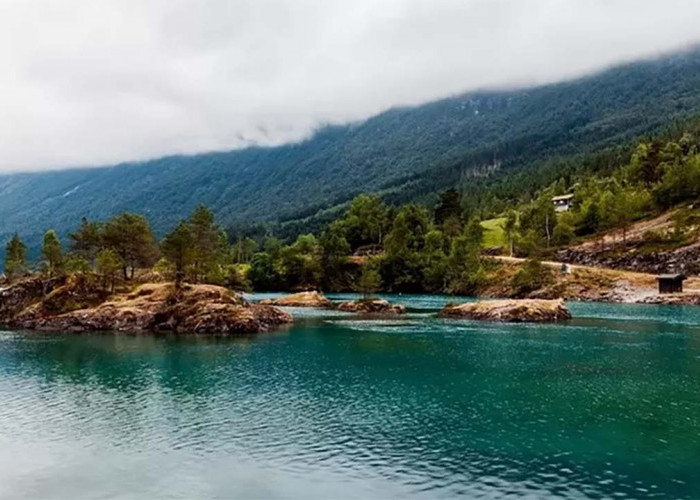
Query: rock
{"points": [[526, 310], [18, 296], [681, 260], [492, 251], [158, 308], [681, 299], [301, 299], [371, 306]]}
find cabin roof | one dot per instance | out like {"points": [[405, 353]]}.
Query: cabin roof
{"points": [[670, 277], [563, 197]]}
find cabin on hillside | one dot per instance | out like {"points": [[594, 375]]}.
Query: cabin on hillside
{"points": [[670, 283], [563, 203]]}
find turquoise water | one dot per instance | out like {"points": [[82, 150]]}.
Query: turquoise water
{"points": [[607, 405]]}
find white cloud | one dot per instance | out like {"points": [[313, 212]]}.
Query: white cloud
{"points": [[89, 83]]}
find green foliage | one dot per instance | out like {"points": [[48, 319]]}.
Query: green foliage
{"points": [[15, 257], [408, 231], [242, 251], [76, 264], [680, 182], [207, 245], [334, 250], [179, 247], [510, 229], [370, 281], [87, 241], [563, 234], [263, 274], [234, 277], [532, 276], [366, 221], [538, 218], [465, 270], [52, 253], [108, 264], [435, 261], [450, 207], [131, 237]]}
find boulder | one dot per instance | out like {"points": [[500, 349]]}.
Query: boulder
{"points": [[301, 299], [371, 306], [22, 294], [158, 308], [526, 310]]}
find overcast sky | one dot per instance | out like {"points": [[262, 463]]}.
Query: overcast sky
{"points": [[86, 82]]}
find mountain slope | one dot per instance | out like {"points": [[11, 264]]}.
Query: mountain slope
{"points": [[403, 150]]}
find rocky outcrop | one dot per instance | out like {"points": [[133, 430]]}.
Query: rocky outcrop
{"points": [[301, 299], [680, 260], [17, 297], [514, 311], [150, 307], [371, 306], [680, 299]]}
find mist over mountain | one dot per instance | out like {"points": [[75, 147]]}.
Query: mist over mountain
{"points": [[403, 153]]}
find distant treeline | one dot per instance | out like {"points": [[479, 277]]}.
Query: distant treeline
{"points": [[375, 245]]}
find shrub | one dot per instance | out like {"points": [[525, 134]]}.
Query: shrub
{"points": [[532, 276]]}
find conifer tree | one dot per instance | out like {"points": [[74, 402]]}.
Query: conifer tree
{"points": [[15, 257], [52, 253]]}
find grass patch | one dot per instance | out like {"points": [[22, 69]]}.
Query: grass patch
{"points": [[493, 234]]}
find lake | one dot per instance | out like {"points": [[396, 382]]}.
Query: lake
{"points": [[606, 405]]}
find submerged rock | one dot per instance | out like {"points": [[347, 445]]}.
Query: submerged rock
{"points": [[301, 299], [526, 310], [150, 307], [371, 306]]}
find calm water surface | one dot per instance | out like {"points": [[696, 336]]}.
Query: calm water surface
{"points": [[607, 405]]}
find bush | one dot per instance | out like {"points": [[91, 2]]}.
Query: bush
{"points": [[563, 234], [532, 276]]}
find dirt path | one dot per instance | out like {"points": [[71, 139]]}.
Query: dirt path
{"points": [[628, 286]]}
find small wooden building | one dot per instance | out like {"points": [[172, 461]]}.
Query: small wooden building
{"points": [[563, 203], [670, 283]]}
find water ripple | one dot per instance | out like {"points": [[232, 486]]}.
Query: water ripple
{"points": [[411, 407]]}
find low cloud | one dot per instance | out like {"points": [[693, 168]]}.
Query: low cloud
{"points": [[93, 83]]}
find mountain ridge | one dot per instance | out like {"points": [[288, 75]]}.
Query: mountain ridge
{"points": [[408, 150]]}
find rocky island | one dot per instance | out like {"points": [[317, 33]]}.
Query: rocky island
{"points": [[371, 306], [75, 304], [301, 299], [512, 311]]}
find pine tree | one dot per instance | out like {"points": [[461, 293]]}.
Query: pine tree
{"points": [[108, 264], [208, 241], [87, 240], [178, 247], [15, 257], [52, 253], [131, 237]]}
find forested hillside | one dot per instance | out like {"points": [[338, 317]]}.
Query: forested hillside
{"points": [[403, 153]]}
